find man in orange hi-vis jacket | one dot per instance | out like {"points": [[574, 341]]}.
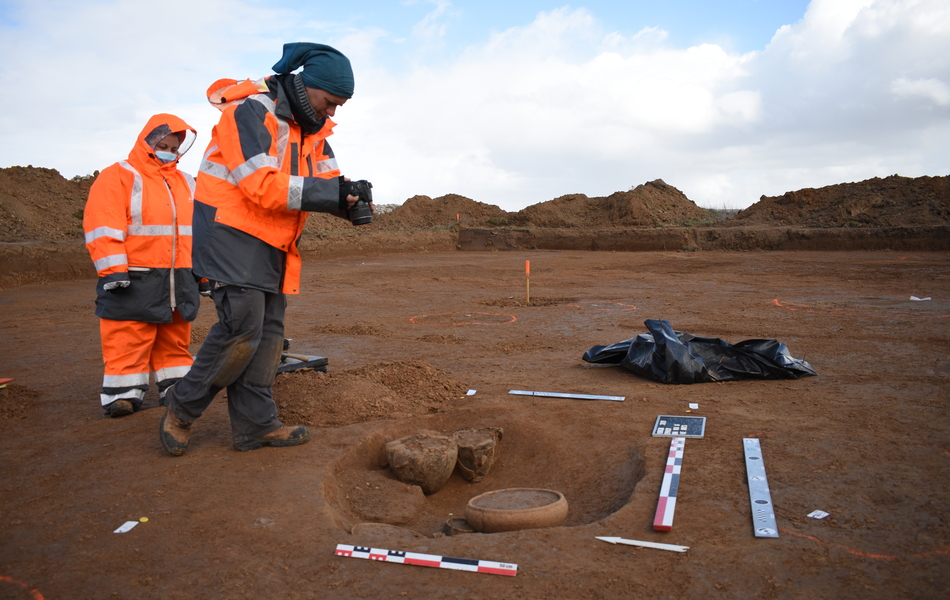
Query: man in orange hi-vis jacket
{"points": [[138, 232], [267, 165]]}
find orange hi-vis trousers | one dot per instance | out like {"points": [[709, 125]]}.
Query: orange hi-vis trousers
{"points": [[133, 349]]}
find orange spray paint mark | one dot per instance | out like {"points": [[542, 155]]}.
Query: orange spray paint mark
{"points": [[859, 552], [33, 593]]}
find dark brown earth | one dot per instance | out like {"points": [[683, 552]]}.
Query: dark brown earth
{"points": [[894, 201], [41, 223], [409, 327]]}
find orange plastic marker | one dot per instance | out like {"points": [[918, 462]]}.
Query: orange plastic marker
{"points": [[527, 282]]}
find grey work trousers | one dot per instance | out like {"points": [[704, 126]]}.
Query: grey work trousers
{"points": [[241, 353]]}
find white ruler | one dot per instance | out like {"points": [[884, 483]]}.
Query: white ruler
{"points": [[763, 514], [575, 396]]}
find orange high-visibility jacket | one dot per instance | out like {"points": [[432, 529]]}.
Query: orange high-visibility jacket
{"points": [[260, 176], [137, 222]]}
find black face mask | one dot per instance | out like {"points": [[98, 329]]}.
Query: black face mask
{"points": [[300, 105]]}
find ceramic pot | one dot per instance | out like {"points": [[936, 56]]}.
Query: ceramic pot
{"points": [[516, 508]]}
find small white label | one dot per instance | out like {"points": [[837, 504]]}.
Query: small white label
{"points": [[694, 405], [127, 526], [470, 393], [818, 514]]}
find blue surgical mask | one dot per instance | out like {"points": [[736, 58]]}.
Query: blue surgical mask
{"points": [[165, 157]]}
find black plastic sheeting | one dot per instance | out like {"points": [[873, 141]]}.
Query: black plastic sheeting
{"points": [[670, 356]]}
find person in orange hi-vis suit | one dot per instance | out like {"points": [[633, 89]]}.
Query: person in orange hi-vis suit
{"points": [[138, 232], [268, 164]]}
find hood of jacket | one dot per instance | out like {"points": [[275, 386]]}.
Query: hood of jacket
{"points": [[142, 156], [280, 88]]}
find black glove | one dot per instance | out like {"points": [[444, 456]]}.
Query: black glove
{"points": [[347, 188]]}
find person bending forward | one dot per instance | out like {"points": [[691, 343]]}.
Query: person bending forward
{"points": [[267, 165]]}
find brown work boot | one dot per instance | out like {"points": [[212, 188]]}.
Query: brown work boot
{"points": [[280, 437], [120, 408], [174, 433]]}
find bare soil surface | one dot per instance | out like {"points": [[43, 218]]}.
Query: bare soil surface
{"points": [[422, 338], [407, 336]]}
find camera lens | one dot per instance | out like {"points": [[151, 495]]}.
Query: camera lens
{"points": [[360, 213]]}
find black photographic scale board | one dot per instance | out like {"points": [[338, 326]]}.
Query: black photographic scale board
{"points": [[687, 427]]}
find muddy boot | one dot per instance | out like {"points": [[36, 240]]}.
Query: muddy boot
{"points": [[174, 433], [120, 408], [283, 436]]}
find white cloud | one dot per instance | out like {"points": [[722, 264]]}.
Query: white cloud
{"points": [[932, 89], [432, 26], [561, 105], [88, 75], [542, 110]]}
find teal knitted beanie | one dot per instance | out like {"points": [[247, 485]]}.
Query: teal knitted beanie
{"points": [[324, 67]]}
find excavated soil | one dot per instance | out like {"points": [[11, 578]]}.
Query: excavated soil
{"points": [[894, 201], [421, 337], [41, 223], [653, 204], [382, 391]]}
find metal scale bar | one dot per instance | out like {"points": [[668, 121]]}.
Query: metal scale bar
{"points": [[763, 513]]}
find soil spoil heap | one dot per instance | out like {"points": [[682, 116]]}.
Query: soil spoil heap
{"points": [[653, 204], [41, 237], [894, 201], [40, 204]]}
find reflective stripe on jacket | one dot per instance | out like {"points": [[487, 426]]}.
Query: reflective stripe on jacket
{"points": [[260, 175], [137, 223]]}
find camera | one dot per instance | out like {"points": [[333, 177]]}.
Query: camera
{"points": [[360, 213]]}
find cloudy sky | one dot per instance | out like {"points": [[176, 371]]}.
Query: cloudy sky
{"points": [[511, 103]]}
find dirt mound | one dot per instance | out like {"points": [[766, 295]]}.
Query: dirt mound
{"points": [[359, 329], [40, 204], [424, 212], [321, 223], [652, 204], [894, 201], [418, 212], [390, 390]]}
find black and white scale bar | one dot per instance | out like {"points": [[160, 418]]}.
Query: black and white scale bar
{"points": [[560, 395], [427, 560], [763, 513], [666, 505]]}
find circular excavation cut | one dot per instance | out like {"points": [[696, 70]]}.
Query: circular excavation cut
{"points": [[516, 508], [362, 486]]}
